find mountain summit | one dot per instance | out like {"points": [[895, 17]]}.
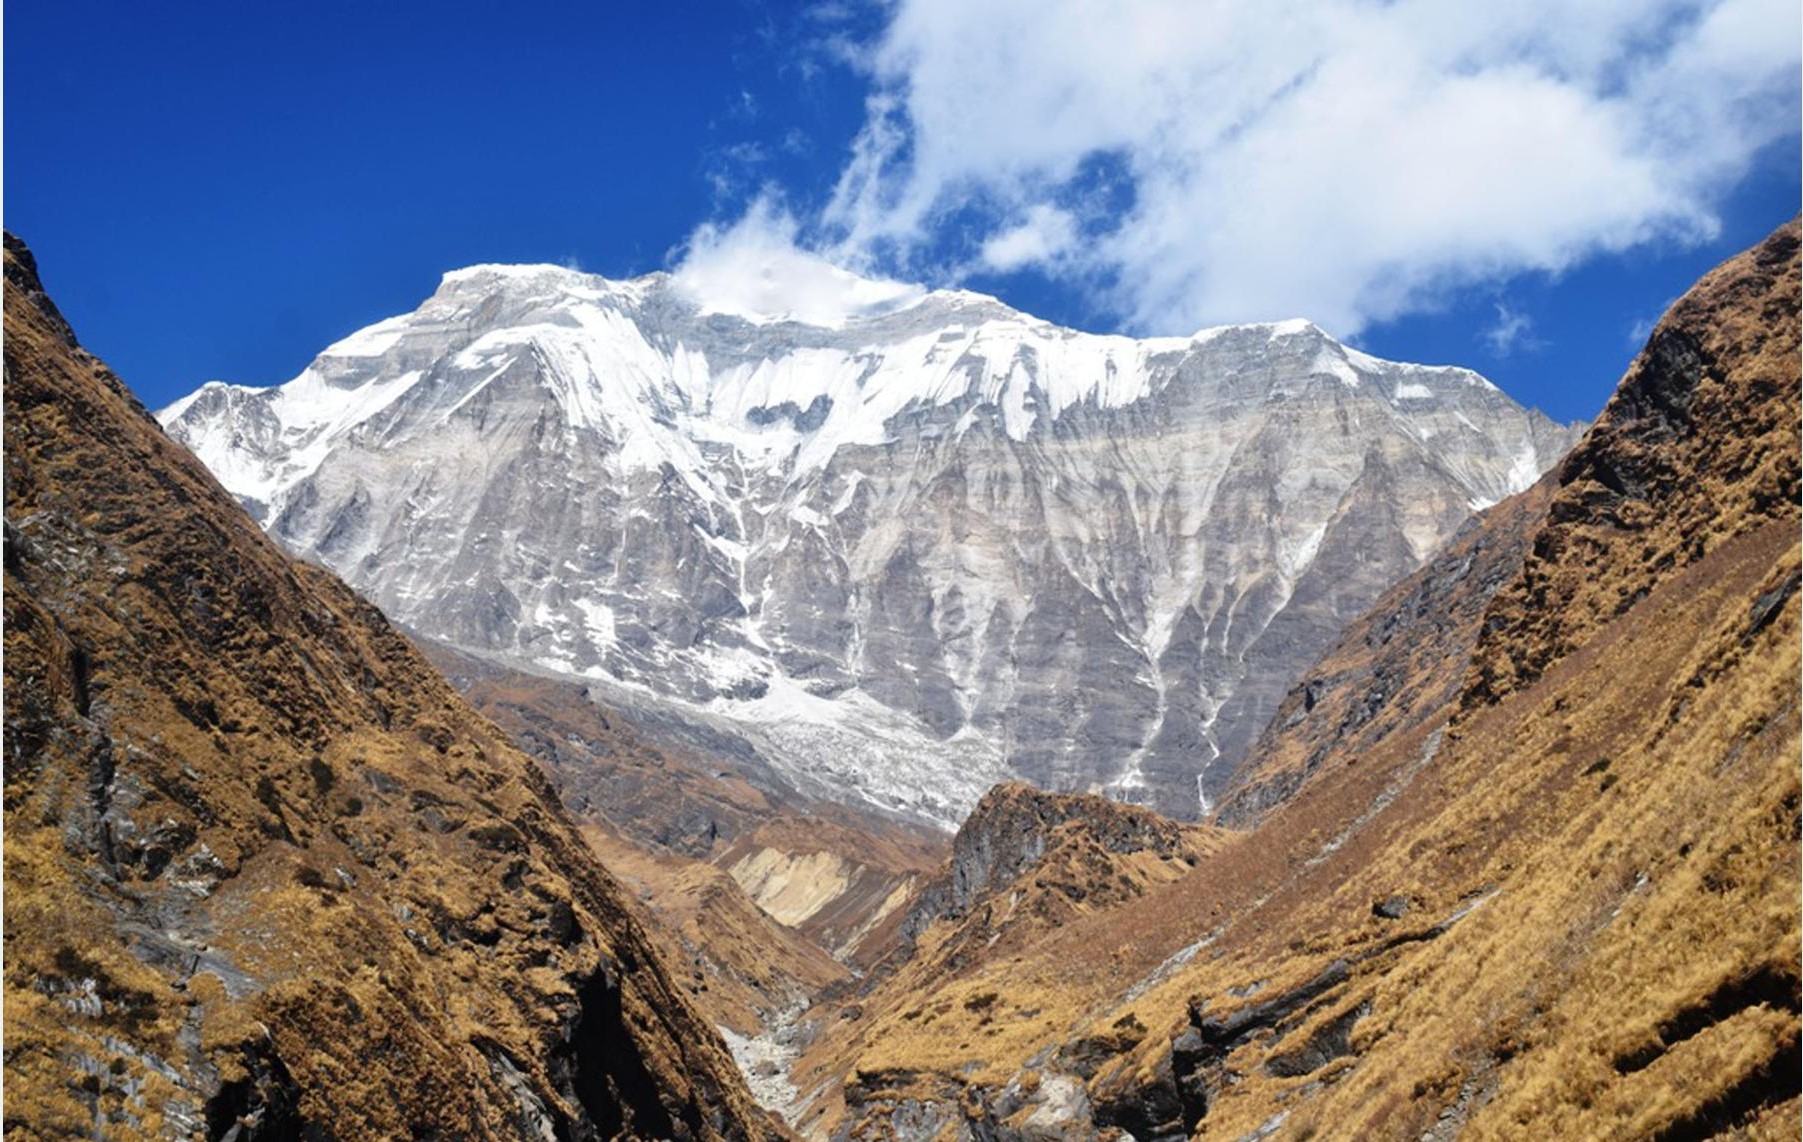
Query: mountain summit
{"points": [[904, 544]]}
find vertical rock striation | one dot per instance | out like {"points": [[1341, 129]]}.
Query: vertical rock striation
{"points": [[907, 553]]}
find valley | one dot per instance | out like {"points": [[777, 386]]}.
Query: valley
{"points": [[1504, 843]]}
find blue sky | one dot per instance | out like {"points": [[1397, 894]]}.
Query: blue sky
{"points": [[220, 190]]}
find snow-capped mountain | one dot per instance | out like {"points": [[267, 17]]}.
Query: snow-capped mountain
{"points": [[904, 543]]}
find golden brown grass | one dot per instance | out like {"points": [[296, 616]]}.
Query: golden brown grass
{"points": [[249, 831]]}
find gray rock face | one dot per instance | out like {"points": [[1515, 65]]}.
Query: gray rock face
{"points": [[923, 548]]}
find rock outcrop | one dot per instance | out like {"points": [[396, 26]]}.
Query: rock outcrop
{"points": [[1016, 828], [267, 876], [1025, 864], [902, 557]]}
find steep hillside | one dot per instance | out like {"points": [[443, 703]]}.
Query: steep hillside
{"points": [[1695, 450], [836, 873], [743, 968], [267, 876], [904, 555], [1515, 873], [843, 883], [660, 793]]}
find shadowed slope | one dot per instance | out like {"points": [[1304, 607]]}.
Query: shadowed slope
{"points": [[267, 876]]}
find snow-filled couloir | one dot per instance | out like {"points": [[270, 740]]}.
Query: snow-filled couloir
{"points": [[905, 543]]}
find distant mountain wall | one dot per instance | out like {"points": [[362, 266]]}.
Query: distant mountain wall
{"points": [[904, 556]]}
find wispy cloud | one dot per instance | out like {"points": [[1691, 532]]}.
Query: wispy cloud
{"points": [[1043, 235], [796, 142], [1336, 159], [830, 12], [735, 171], [1511, 331]]}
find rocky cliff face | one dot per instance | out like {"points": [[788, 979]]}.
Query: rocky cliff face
{"points": [[929, 546], [1514, 870], [1397, 669], [1025, 864], [267, 876]]}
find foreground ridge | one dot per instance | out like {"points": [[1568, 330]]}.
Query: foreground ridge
{"points": [[267, 876]]}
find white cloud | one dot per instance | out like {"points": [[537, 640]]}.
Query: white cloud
{"points": [[1038, 240], [754, 269], [1337, 159], [733, 170], [1513, 330]]}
